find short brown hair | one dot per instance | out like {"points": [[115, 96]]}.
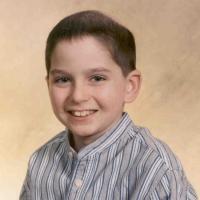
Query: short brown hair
{"points": [[118, 39]]}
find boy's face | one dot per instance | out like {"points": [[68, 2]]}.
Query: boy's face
{"points": [[87, 88]]}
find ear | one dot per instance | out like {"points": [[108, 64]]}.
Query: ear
{"points": [[132, 86]]}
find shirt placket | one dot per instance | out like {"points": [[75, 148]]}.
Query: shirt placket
{"points": [[78, 168]]}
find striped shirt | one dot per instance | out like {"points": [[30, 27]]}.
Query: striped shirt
{"points": [[127, 162]]}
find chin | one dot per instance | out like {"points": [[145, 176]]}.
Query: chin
{"points": [[81, 133]]}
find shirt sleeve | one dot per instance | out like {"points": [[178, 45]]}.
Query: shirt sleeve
{"points": [[173, 186], [25, 190], [25, 193]]}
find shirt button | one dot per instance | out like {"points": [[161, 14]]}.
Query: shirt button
{"points": [[78, 182]]}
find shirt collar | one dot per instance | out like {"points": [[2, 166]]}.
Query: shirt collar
{"points": [[106, 140]]}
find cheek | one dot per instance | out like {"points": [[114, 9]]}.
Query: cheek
{"points": [[57, 97], [114, 90], [110, 96]]}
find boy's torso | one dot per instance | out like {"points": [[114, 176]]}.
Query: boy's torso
{"points": [[126, 163]]}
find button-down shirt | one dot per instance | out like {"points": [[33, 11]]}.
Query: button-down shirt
{"points": [[127, 162]]}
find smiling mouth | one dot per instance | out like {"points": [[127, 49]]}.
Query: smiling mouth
{"points": [[83, 113]]}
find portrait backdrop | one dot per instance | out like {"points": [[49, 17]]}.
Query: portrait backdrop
{"points": [[168, 44]]}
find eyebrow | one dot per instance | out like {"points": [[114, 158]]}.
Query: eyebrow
{"points": [[98, 70], [93, 70], [57, 71]]}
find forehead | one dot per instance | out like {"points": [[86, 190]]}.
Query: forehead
{"points": [[84, 52], [82, 45]]}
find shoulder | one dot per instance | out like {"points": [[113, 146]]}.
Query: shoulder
{"points": [[157, 147], [161, 170], [54, 146]]}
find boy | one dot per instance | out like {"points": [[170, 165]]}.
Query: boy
{"points": [[102, 154]]}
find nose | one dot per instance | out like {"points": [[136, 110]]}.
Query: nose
{"points": [[79, 93]]}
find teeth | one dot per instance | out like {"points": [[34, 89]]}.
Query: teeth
{"points": [[82, 113]]}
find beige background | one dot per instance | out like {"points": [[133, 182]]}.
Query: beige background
{"points": [[168, 55]]}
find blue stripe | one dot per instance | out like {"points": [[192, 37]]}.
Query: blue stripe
{"points": [[125, 163]]}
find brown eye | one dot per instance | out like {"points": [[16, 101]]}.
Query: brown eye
{"points": [[62, 79], [98, 78]]}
